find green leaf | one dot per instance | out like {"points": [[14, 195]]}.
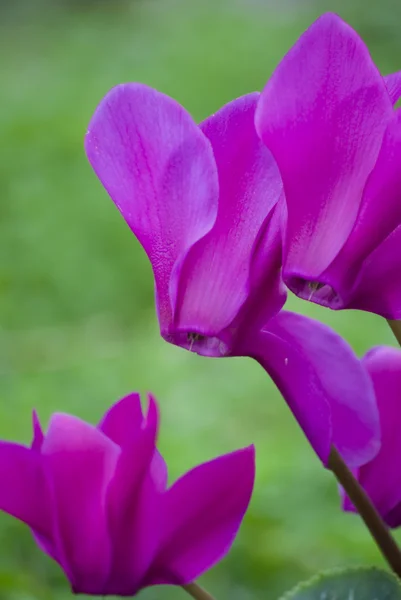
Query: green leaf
{"points": [[349, 584]]}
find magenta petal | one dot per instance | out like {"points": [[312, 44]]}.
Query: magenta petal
{"points": [[24, 493], [81, 461], [379, 287], [159, 169], [323, 114], [43, 538], [379, 215], [203, 511], [267, 293], [324, 384], [393, 84], [133, 463], [381, 478], [158, 471], [214, 280], [132, 504], [122, 422], [38, 436]]}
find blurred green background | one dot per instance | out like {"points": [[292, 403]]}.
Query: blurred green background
{"points": [[78, 328]]}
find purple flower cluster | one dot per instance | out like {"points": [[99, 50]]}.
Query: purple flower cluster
{"points": [[297, 187]]}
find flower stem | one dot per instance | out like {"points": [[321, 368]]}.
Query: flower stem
{"points": [[378, 529], [396, 329], [197, 592]]}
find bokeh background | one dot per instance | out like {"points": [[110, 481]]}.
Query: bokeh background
{"points": [[78, 328]]}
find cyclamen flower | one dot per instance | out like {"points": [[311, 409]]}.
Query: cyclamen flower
{"points": [[327, 116], [381, 478], [97, 501], [206, 204]]}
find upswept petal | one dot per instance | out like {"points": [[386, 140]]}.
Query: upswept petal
{"points": [[214, 280], [45, 537], [267, 293], [159, 169], [379, 215], [159, 471], [123, 421], [81, 461], [324, 384], [38, 435], [133, 513], [379, 287], [381, 477], [202, 512], [132, 465], [24, 493], [393, 84], [323, 114]]}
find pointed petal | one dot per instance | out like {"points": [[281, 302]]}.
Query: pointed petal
{"points": [[38, 436], [379, 287], [379, 215], [158, 471], [82, 462], [122, 422], [23, 491], [393, 84], [46, 538], [323, 114], [214, 280], [381, 478], [202, 514], [133, 499], [133, 463], [159, 170], [324, 384]]}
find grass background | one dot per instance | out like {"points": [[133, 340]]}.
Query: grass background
{"points": [[78, 328]]}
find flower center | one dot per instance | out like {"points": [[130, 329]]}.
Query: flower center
{"points": [[315, 291], [197, 342], [314, 286], [193, 337]]}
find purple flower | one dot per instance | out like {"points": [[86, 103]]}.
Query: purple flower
{"points": [[97, 501], [327, 116], [381, 478], [206, 204]]}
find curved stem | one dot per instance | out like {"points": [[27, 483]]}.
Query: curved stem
{"points": [[378, 529], [197, 592], [396, 329]]}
